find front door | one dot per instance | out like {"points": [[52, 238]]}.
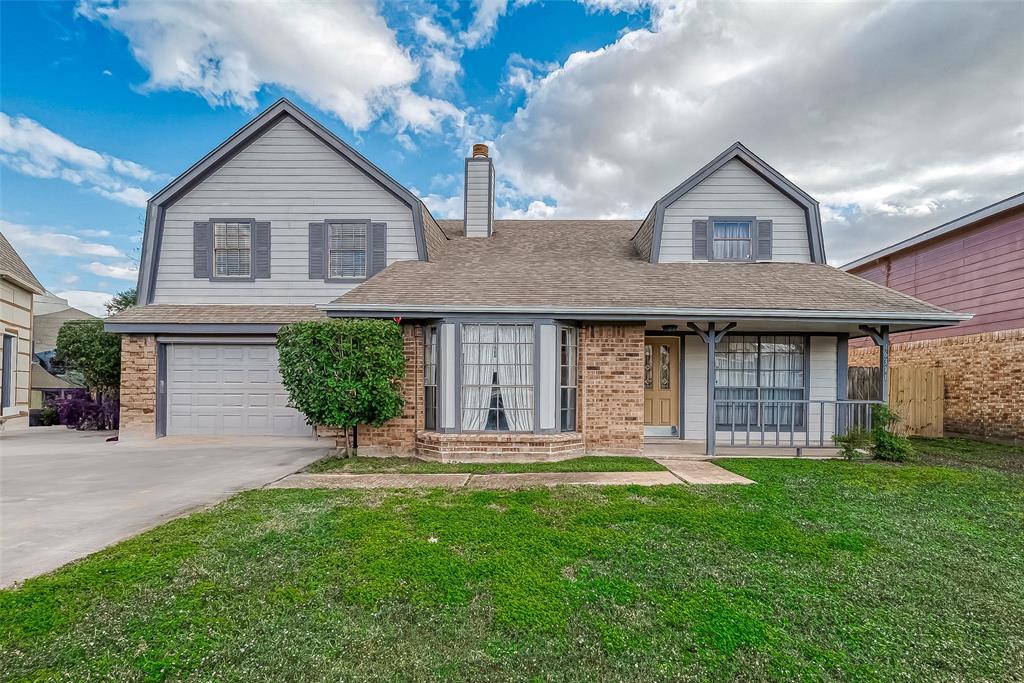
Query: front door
{"points": [[661, 388]]}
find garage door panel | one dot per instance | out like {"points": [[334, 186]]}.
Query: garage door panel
{"points": [[231, 389]]}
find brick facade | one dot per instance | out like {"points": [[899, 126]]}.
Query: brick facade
{"points": [[526, 447], [399, 435], [983, 377], [138, 387], [610, 405]]}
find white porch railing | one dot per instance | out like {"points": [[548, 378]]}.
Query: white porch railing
{"points": [[782, 423]]}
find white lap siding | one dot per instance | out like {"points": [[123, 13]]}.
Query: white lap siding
{"points": [[290, 178], [735, 190]]}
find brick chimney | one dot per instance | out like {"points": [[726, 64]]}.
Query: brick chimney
{"points": [[479, 207]]}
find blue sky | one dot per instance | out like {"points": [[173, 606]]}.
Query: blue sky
{"points": [[593, 108]]}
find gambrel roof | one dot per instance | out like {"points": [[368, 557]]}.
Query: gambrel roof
{"points": [[653, 224], [241, 139]]}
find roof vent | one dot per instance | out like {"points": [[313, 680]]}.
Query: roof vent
{"points": [[479, 208]]}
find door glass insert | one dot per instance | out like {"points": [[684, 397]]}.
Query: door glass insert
{"points": [[664, 373], [648, 369]]}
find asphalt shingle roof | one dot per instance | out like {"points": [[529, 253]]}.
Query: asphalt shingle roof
{"points": [[593, 264], [226, 314], [11, 265]]}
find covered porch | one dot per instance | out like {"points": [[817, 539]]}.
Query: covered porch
{"points": [[765, 388]]}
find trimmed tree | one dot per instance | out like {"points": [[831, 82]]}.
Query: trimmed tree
{"points": [[343, 372], [83, 347]]}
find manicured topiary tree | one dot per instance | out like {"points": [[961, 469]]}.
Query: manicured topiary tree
{"points": [[343, 372]]}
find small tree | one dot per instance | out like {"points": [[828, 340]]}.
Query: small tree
{"points": [[121, 301], [84, 347], [343, 372], [885, 443]]}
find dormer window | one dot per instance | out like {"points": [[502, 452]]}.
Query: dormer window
{"points": [[732, 240], [232, 250]]}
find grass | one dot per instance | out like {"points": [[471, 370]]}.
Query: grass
{"points": [[827, 570], [589, 463], [970, 453]]}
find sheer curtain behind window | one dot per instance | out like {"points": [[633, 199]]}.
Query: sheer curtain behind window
{"points": [[515, 375], [478, 365]]}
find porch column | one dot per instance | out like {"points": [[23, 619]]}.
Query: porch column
{"points": [[711, 338], [880, 336]]}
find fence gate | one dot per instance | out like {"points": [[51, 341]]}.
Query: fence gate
{"points": [[915, 394]]}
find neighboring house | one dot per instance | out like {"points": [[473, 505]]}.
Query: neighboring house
{"points": [[17, 285], [51, 312], [974, 263], [539, 337]]}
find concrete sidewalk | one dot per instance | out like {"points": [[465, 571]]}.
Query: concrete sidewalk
{"points": [[690, 472]]}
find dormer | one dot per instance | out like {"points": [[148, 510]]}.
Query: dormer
{"points": [[735, 209]]}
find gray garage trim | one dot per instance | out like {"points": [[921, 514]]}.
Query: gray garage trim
{"points": [[242, 138], [738, 151]]}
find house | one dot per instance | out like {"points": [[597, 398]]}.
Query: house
{"points": [[974, 263], [47, 383], [17, 285], [539, 338]]}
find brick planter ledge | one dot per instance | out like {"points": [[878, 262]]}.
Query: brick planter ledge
{"points": [[498, 447]]}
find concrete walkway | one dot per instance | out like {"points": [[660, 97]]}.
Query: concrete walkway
{"points": [[702, 472], [678, 471]]}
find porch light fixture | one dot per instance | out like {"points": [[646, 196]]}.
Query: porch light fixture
{"points": [[670, 328]]}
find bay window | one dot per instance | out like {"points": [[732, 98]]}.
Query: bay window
{"points": [[497, 377], [430, 367], [567, 374]]}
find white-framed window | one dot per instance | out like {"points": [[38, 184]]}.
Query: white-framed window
{"points": [[232, 250], [732, 240], [497, 377], [567, 375], [7, 388], [346, 250]]}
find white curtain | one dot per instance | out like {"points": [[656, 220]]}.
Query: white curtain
{"points": [[515, 375], [478, 365]]}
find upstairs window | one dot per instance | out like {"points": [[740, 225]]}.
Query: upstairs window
{"points": [[346, 243], [732, 240], [232, 250]]}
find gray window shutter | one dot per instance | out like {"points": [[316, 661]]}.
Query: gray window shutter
{"points": [[316, 251], [261, 249], [201, 245], [379, 248], [764, 240], [700, 239]]}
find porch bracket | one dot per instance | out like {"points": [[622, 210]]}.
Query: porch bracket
{"points": [[711, 337], [880, 336]]}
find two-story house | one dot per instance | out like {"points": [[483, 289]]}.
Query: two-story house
{"points": [[713, 319]]}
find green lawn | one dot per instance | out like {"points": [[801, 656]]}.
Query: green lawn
{"points": [[589, 463], [822, 570], [970, 452]]}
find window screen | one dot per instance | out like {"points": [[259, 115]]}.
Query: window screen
{"points": [[346, 243], [232, 250], [731, 240], [760, 368]]}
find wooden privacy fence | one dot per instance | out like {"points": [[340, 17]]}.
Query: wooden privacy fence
{"points": [[915, 394]]}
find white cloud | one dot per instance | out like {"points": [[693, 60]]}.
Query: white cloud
{"points": [[30, 148], [90, 302], [536, 209], [485, 20], [38, 239], [429, 30], [118, 271], [90, 232], [341, 56], [443, 207], [874, 110], [68, 279]]}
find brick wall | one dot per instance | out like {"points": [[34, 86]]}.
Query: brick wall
{"points": [[138, 386], [983, 376], [399, 435], [611, 387]]}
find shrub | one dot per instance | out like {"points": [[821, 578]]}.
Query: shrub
{"points": [[853, 443], [48, 416], [885, 443], [343, 372], [78, 410]]}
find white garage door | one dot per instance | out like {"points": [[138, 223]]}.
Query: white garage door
{"points": [[232, 389]]}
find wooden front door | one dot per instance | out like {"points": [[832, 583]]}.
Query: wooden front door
{"points": [[661, 382]]}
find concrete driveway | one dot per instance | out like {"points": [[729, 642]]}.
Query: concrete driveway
{"points": [[66, 494]]}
